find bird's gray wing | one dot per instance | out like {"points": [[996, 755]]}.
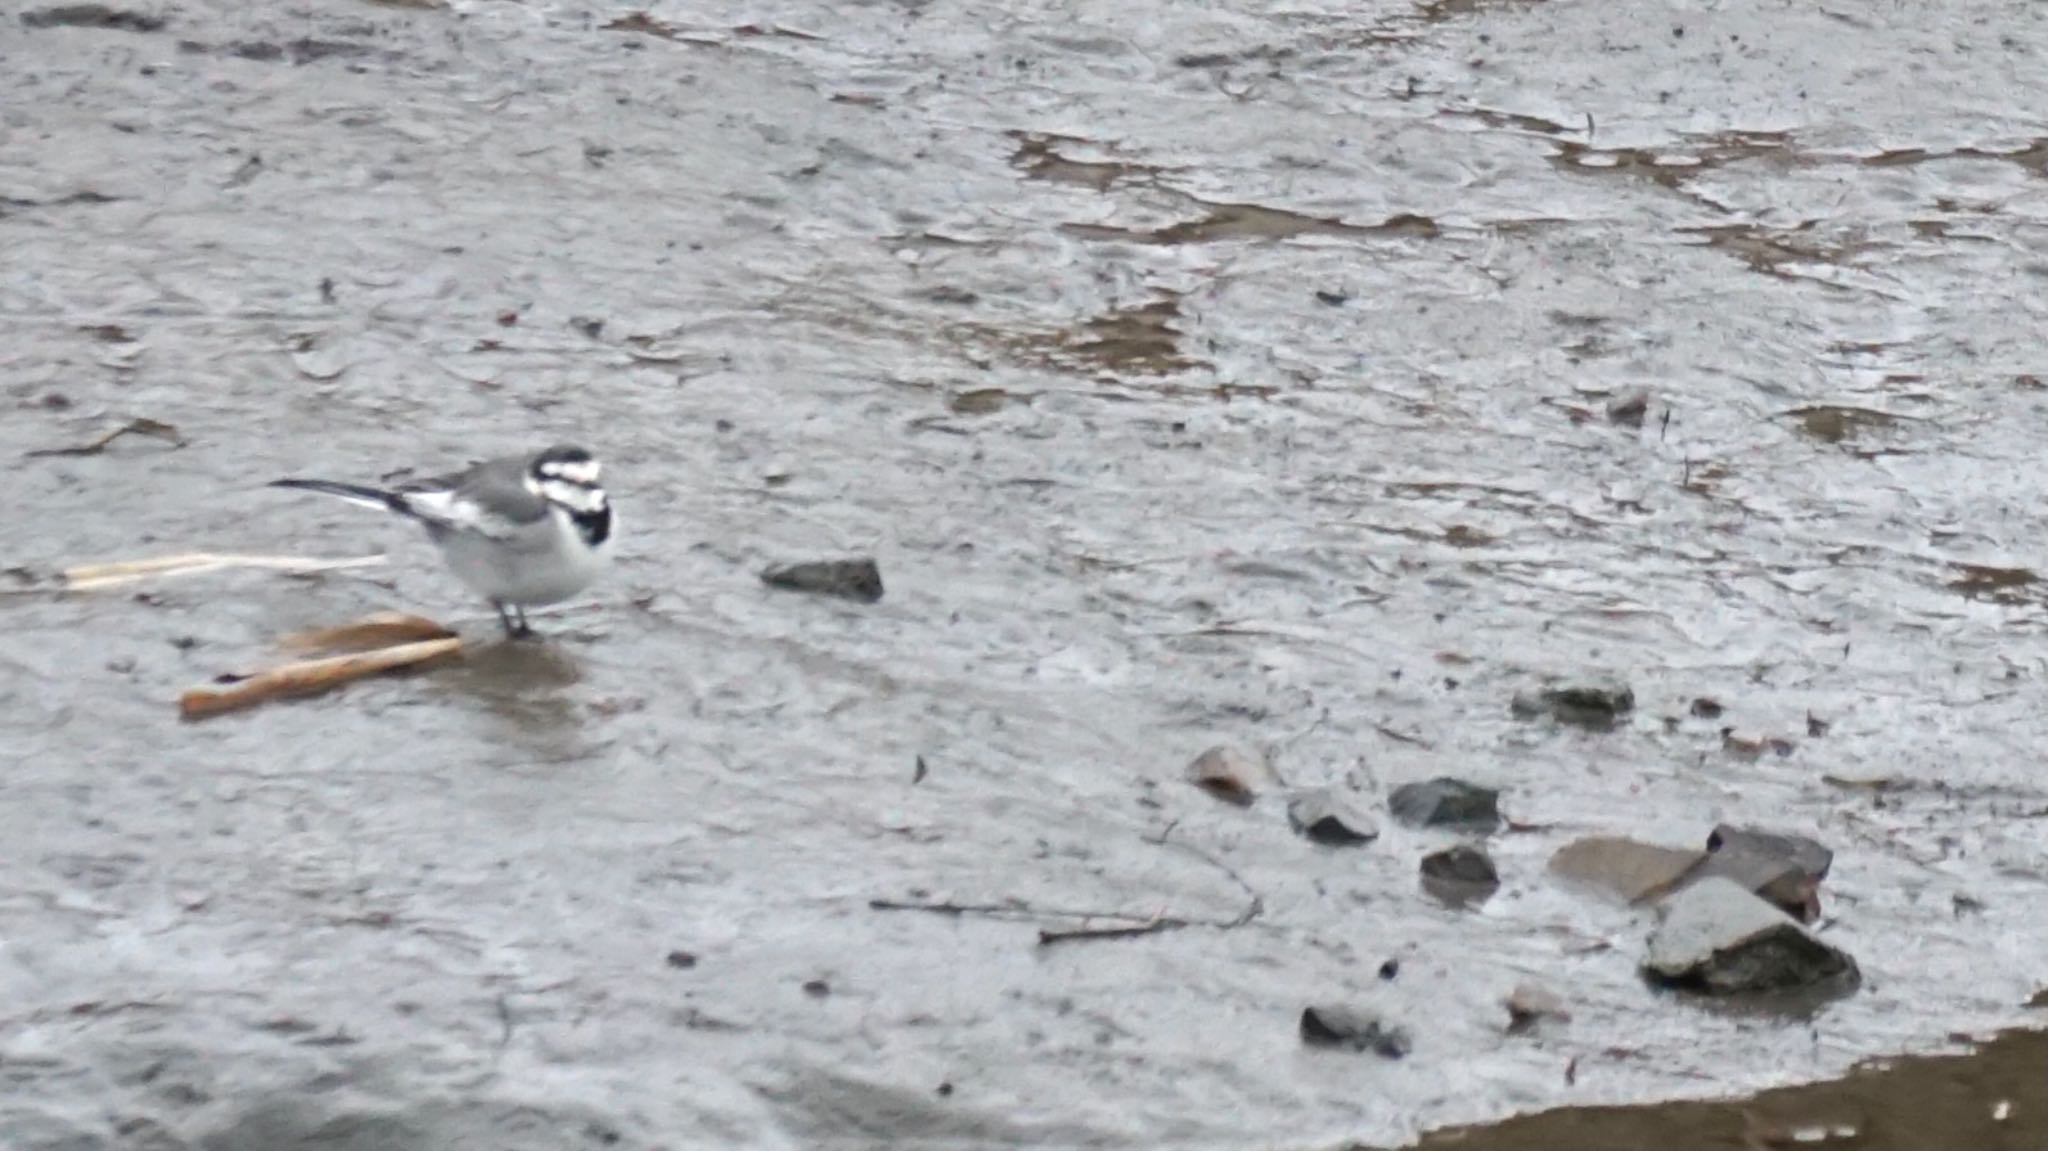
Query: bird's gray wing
{"points": [[491, 499]]}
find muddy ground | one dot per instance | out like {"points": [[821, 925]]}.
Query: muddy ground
{"points": [[1195, 374]]}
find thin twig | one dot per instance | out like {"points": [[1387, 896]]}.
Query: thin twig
{"points": [[88, 577], [155, 429], [311, 676], [1047, 936], [1095, 924]]}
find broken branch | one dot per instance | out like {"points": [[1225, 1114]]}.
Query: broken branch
{"points": [[310, 677], [155, 429], [91, 577]]}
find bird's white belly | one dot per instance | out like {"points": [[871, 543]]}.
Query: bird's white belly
{"points": [[547, 563]]}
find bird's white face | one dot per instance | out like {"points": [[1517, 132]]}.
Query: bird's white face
{"points": [[581, 472], [569, 483], [582, 498]]}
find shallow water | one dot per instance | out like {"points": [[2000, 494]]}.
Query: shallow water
{"points": [[1195, 375]]}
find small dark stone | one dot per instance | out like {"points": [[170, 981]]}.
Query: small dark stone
{"points": [[1529, 1005], [1231, 774], [588, 326], [1353, 1030], [1390, 969], [1629, 408], [1459, 876], [1596, 707], [1331, 817], [817, 988], [1704, 708], [1815, 726], [855, 579], [1446, 802], [681, 960], [1460, 864], [1332, 298], [946, 1090]]}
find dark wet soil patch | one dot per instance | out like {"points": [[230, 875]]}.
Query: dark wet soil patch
{"points": [[1039, 158], [1670, 168], [1838, 424], [1257, 222], [1140, 339], [1518, 121], [1137, 340], [1995, 1097], [304, 50], [93, 16], [643, 24], [1995, 585], [1780, 251], [2032, 158]]}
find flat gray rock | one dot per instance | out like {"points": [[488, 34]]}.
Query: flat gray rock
{"points": [[1332, 817], [1596, 706], [1717, 937], [858, 579], [1446, 802], [1625, 868]]}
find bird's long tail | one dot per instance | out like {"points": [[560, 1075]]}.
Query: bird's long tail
{"points": [[354, 493]]}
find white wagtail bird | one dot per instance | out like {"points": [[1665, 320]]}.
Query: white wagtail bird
{"points": [[521, 530]]}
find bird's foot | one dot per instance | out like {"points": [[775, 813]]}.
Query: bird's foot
{"points": [[514, 619]]}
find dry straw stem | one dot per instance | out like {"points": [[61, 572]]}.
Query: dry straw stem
{"points": [[91, 577], [383, 629], [312, 676]]}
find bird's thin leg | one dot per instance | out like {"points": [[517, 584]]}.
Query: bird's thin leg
{"points": [[505, 617], [525, 630]]}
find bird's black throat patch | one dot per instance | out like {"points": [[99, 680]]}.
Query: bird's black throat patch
{"points": [[594, 526]]}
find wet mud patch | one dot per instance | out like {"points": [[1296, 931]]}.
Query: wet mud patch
{"points": [[93, 16], [299, 51], [1854, 429], [1674, 167], [1518, 121], [1256, 222], [1783, 252], [1995, 1097], [2031, 157], [645, 24], [1039, 157], [1135, 340], [2012, 587]]}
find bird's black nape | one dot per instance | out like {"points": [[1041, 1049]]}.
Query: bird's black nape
{"points": [[550, 461]]}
